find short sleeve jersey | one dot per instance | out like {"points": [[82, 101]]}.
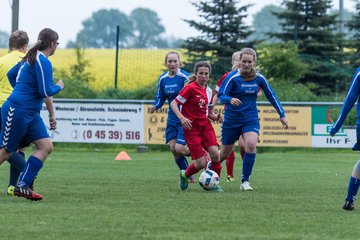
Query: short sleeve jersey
{"points": [[195, 102]]}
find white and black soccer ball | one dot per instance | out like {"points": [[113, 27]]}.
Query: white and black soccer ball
{"points": [[209, 180]]}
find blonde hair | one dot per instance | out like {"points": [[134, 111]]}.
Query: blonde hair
{"points": [[251, 52], [248, 51], [178, 56], [235, 64]]}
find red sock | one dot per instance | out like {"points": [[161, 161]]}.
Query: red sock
{"points": [[191, 170], [230, 164], [216, 167]]}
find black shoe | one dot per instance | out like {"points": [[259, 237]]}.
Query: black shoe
{"points": [[349, 205]]}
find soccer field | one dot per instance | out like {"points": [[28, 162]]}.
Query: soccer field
{"points": [[88, 195]]}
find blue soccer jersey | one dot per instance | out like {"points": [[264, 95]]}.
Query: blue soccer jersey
{"points": [[20, 113], [32, 83], [351, 97], [234, 86], [168, 88]]}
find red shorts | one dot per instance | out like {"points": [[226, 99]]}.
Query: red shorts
{"points": [[199, 138]]}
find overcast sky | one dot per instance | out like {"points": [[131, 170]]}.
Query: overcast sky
{"points": [[66, 16]]}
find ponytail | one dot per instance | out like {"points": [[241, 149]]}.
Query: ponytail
{"points": [[45, 38], [31, 54]]}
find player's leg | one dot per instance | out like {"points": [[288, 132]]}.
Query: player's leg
{"points": [[250, 136], [230, 167], [353, 188], [43, 147], [193, 139]]}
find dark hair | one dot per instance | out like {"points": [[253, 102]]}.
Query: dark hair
{"points": [[196, 68], [202, 64], [18, 40], [45, 38]]}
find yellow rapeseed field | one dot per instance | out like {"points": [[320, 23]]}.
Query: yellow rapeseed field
{"points": [[137, 67]]}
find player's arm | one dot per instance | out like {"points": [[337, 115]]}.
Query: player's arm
{"points": [[273, 99], [13, 73], [50, 107], [44, 75], [349, 102], [180, 100], [223, 94], [160, 97]]}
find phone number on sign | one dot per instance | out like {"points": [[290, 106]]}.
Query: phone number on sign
{"points": [[111, 135]]}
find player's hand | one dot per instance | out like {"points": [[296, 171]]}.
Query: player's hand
{"points": [[151, 109], [186, 123], [52, 122], [220, 118], [235, 102], [60, 83], [284, 122]]}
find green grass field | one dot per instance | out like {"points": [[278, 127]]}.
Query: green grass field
{"points": [[88, 195]]}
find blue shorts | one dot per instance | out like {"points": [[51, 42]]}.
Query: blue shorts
{"points": [[231, 135], [175, 130], [19, 127]]}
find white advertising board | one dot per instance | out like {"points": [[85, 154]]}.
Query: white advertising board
{"points": [[97, 122]]}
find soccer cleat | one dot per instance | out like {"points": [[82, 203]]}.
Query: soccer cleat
{"points": [[230, 178], [245, 186], [183, 181], [218, 189], [27, 193], [10, 191], [349, 205]]}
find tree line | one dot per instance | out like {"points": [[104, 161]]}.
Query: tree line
{"points": [[300, 48]]}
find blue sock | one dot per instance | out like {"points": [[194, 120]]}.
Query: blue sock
{"points": [[248, 163], [31, 170], [353, 188], [182, 163], [17, 164]]}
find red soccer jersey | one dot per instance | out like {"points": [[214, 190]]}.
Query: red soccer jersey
{"points": [[220, 82], [195, 102]]}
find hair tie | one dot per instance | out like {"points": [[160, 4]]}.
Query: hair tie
{"points": [[39, 42]]}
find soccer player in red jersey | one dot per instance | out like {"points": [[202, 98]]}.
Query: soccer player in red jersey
{"points": [[196, 111]]}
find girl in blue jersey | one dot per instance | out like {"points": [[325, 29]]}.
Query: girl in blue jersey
{"points": [[169, 85], [239, 93], [351, 97], [32, 80]]}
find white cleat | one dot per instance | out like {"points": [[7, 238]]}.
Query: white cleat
{"points": [[245, 186]]}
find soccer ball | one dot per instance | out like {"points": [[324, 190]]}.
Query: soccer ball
{"points": [[209, 180]]}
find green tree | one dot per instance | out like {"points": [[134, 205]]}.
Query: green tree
{"points": [[223, 32], [77, 78], [308, 23], [265, 22], [354, 43], [147, 27], [282, 66], [4, 39], [99, 31]]}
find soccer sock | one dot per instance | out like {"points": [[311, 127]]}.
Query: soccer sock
{"points": [[191, 170], [248, 163], [230, 164], [17, 164], [353, 188], [31, 170], [182, 163], [216, 167]]}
